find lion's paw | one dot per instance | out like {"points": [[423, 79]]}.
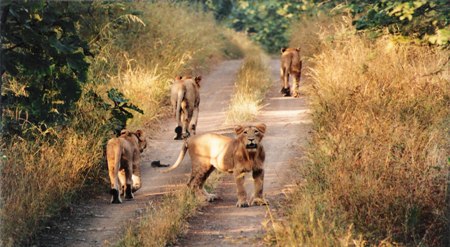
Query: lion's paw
{"points": [[115, 196], [128, 193], [258, 202], [242, 204]]}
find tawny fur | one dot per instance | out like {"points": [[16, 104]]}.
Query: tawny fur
{"points": [[239, 155], [185, 99], [291, 64], [123, 155]]}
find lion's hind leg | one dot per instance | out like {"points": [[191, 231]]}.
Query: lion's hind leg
{"points": [[198, 177], [113, 155]]}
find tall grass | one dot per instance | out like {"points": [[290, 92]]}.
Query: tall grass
{"points": [[40, 177], [376, 168], [252, 82]]}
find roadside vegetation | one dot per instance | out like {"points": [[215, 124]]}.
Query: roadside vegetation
{"points": [[54, 133], [376, 171]]}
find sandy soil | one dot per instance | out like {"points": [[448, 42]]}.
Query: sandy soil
{"points": [[97, 222]]}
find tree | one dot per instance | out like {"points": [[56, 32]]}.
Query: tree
{"points": [[43, 54]]}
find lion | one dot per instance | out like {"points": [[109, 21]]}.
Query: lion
{"points": [[123, 155], [239, 155], [291, 64], [185, 99]]}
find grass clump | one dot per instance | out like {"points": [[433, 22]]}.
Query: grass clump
{"points": [[162, 223], [376, 170], [252, 82]]}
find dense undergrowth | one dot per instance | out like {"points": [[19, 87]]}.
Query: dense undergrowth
{"points": [[376, 169], [138, 55]]}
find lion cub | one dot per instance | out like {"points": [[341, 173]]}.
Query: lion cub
{"points": [[239, 155], [291, 64], [123, 155], [185, 99]]}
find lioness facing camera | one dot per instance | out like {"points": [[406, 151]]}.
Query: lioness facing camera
{"points": [[239, 155]]}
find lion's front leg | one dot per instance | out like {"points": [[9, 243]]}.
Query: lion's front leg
{"points": [[258, 178], [241, 193]]}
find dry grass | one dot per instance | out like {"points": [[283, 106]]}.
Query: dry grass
{"points": [[161, 224], [253, 81], [41, 177], [376, 170]]}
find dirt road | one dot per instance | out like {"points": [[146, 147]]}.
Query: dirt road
{"points": [[220, 223]]}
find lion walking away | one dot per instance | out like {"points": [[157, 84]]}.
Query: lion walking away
{"points": [[185, 99], [238, 156], [123, 155], [291, 64]]}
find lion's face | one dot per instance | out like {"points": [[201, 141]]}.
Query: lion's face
{"points": [[250, 135]]}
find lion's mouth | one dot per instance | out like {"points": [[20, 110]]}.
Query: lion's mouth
{"points": [[251, 146]]}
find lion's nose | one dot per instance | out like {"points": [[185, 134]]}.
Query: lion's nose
{"points": [[251, 139]]}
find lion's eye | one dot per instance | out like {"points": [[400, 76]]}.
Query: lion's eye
{"points": [[256, 132], [245, 132]]}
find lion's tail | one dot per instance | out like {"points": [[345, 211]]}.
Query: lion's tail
{"points": [[180, 158]]}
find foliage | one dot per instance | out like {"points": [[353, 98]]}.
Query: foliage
{"points": [[119, 112], [266, 22], [43, 55], [423, 19]]}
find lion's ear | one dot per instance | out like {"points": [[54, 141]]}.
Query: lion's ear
{"points": [[197, 80], [140, 134], [261, 127], [124, 132], [238, 129], [283, 49], [297, 49]]}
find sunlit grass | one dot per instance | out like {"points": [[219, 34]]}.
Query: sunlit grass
{"points": [[376, 168]]}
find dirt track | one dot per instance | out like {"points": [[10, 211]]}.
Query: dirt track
{"points": [[220, 223]]}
